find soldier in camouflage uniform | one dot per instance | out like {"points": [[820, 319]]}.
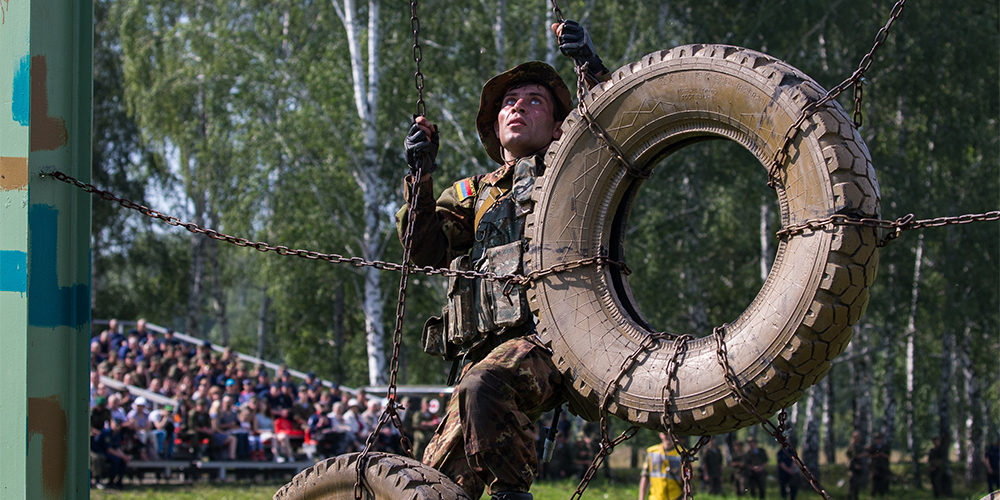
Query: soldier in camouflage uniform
{"points": [[478, 223]]}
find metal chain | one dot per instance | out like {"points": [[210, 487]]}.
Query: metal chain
{"points": [[390, 411], [418, 77], [558, 13], [897, 226], [688, 455], [856, 79], [607, 444], [597, 129], [777, 432], [261, 246]]}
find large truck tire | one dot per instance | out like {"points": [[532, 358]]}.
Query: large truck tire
{"points": [[387, 477], [816, 290]]}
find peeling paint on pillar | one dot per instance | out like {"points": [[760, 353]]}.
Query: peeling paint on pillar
{"points": [[47, 132], [47, 418], [51, 305]]}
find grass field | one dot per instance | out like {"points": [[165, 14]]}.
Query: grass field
{"points": [[625, 486]]}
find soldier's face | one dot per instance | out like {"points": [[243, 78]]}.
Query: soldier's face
{"points": [[526, 121]]}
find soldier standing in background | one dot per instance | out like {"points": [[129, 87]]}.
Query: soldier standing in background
{"points": [[856, 469], [756, 464], [937, 463], [878, 453], [738, 463], [711, 467]]}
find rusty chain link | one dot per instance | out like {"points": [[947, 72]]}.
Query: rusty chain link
{"points": [[777, 432], [897, 226], [857, 79], [261, 246], [688, 455], [599, 131], [390, 411], [607, 444], [418, 77], [557, 12]]}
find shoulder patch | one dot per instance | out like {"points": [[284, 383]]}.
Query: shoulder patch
{"points": [[465, 189]]}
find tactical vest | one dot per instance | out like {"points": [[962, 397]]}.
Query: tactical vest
{"points": [[482, 314]]}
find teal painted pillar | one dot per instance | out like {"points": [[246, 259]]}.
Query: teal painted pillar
{"points": [[45, 124]]}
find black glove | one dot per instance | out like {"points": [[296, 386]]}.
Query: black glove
{"points": [[574, 41], [418, 147]]}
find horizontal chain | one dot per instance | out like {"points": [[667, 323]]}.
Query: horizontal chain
{"points": [[261, 246], [897, 226]]}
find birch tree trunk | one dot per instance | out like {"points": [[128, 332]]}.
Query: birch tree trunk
{"points": [[974, 419], [860, 384], [500, 34], [218, 292], [373, 189], [911, 330], [197, 245], [944, 401], [811, 429]]}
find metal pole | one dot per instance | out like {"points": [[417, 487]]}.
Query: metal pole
{"points": [[45, 123]]}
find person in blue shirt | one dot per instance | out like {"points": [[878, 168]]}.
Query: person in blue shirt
{"points": [[108, 444]]}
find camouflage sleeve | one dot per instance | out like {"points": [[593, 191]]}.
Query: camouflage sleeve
{"points": [[443, 229]]}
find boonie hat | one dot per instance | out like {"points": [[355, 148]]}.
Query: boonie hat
{"points": [[496, 87]]}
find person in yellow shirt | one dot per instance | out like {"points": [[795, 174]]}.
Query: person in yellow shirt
{"points": [[661, 473]]}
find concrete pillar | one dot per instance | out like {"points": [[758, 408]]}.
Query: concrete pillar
{"points": [[45, 124]]}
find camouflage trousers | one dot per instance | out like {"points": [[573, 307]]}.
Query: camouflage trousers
{"points": [[486, 437]]}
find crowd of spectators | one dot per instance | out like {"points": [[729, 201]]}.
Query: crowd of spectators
{"points": [[226, 408]]}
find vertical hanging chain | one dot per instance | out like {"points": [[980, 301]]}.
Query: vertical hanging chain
{"points": [[608, 444], [777, 432], [558, 13], [857, 79], [687, 455], [392, 406], [390, 412], [418, 77]]}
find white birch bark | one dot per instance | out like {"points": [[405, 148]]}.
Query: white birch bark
{"points": [[974, 419], [911, 330], [811, 429], [373, 189]]}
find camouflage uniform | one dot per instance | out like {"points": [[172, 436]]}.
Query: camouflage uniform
{"points": [[485, 437]]}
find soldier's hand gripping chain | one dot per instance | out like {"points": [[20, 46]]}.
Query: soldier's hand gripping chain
{"points": [[574, 41], [419, 147]]}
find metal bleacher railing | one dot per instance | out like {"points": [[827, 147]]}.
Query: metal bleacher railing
{"points": [[156, 399]]}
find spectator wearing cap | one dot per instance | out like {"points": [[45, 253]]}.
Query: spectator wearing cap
{"points": [[312, 382], [100, 415], [168, 341], [303, 407], [138, 420], [354, 421], [247, 392], [108, 446], [163, 428], [233, 389]]}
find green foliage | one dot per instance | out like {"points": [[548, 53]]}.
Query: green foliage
{"points": [[255, 100]]}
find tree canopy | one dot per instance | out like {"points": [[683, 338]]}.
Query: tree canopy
{"points": [[268, 120]]}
